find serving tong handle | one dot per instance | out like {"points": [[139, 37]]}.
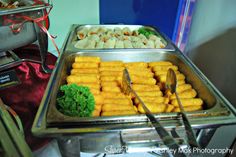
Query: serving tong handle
{"points": [[171, 83], [167, 139]]}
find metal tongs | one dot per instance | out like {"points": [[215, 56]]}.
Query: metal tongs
{"points": [[171, 83], [167, 139]]}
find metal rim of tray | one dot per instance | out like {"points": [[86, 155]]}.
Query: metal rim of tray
{"points": [[24, 9]]}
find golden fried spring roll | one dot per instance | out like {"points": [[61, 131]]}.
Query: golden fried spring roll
{"points": [[152, 64], [87, 59], [164, 72], [169, 108], [150, 94], [110, 78], [114, 107], [96, 113], [112, 64], [188, 108], [154, 108], [111, 89], [90, 85], [136, 64], [84, 71], [160, 68], [118, 113], [145, 88], [111, 69], [180, 82], [98, 107], [180, 76], [110, 84], [98, 99], [111, 73], [183, 87], [162, 77], [190, 93], [141, 74], [115, 101], [139, 70], [155, 100], [142, 80], [95, 91], [82, 79], [114, 95], [85, 65], [187, 102]]}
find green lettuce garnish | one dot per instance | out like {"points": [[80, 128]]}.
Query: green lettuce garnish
{"points": [[76, 101], [146, 32]]}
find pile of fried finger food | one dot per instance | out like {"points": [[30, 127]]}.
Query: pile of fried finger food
{"points": [[104, 78]]}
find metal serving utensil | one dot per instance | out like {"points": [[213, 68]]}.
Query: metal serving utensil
{"points": [[171, 84], [167, 139]]}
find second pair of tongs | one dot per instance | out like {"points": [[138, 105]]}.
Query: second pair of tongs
{"points": [[171, 85], [167, 139]]}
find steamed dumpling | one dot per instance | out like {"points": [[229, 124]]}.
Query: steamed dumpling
{"points": [[81, 43], [126, 31], [127, 44], [139, 44], [150, 44], [94, 37], [100, 45], [81, 34], [90, 44], [110, 43], [119, 44]]}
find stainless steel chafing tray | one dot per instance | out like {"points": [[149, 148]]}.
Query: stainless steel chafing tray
{"points": [[74, 28], [213, 106], [217, 111]]}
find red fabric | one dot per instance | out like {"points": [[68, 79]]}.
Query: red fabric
{"points": [[26, 97]]}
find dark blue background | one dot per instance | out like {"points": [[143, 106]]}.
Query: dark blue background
{"points": [[163, 14]]}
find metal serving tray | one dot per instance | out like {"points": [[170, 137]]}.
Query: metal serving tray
{"points": [[10, 40], [74, 28], [213, 105]]}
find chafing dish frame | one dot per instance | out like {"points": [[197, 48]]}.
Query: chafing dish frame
{"points": [[40, 127]]}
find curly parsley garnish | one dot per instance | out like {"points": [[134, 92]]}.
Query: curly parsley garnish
{"points": [[76, 101]]}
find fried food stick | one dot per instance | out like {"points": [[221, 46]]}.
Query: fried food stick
{"points": [[142, 80], [112, 64], [145, 88], [189, 108], [136, 64], [154, 108], [160, 68], [113, 107], [160, 63], [85, 65], [84, 71], [87, 59], [187, 102], [190, 93], [82, 79]]}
